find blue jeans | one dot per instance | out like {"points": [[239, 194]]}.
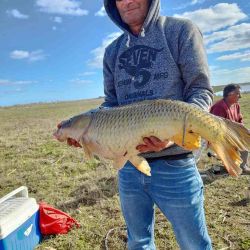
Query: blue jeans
{"points": [[177, 189]]}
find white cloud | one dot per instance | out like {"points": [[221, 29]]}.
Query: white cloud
{"points": [[185, 5], [234, 38], [6, 82], [213, 67], [57, 19], [63, 7], [216, 17], [101, 12], [32, 56], [242, 56], [17, 14], [220, 20], [236, 30], [197, 1], [98, 53], [19, 54], [226, 76], [88, 73], [81, 81]]}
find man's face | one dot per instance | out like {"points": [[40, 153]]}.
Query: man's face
{"points": [[133, 12], [234, 96]]}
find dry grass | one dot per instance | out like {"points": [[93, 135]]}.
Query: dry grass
{"points": [[58, 174]]}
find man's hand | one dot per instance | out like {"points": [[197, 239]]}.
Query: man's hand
{"points": [[70, 141], [154, 144]]}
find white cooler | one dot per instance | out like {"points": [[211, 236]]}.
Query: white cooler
{"points": [[19, 221]]}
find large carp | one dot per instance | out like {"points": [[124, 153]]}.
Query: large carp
{"points": [[114, 133]]}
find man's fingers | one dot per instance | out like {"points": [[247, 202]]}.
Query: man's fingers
{"points": [[148, 147], [146, 140], [143, 148], [154, 144], [153, 141], [157, 142]]}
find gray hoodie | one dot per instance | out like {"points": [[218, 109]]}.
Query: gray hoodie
{"points": [[166, 60]]}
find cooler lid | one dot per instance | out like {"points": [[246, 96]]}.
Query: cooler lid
{"points": [[14, 212]]}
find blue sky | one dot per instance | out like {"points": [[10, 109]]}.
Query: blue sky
{"points": [[52, 50]]}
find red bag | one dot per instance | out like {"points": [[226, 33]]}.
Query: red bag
{"points": [[54, 221]]}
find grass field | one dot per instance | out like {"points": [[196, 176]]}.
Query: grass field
{"points": [[58, 175]]}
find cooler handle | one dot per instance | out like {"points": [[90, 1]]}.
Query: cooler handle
{"points": [[21, 192]]}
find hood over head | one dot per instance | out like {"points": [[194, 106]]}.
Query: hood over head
{"points": [[152, 16]]}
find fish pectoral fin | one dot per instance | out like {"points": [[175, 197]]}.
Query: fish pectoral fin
{"points": [[189, 141], [119, 162], [141, 164]]}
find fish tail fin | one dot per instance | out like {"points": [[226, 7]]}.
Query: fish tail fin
{"points": [[239, 133], [236, 138]]}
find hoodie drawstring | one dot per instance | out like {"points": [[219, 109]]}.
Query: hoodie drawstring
{"points": [[128, 42], [143, 32]]}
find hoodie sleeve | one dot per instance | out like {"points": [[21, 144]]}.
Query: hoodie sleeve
{"points": [[110, 99], [194, 67]]}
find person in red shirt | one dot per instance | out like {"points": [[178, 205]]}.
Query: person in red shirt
{"points": [[229, 108]]}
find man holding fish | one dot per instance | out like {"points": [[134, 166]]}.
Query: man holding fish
{"points": [[158, 57]]}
